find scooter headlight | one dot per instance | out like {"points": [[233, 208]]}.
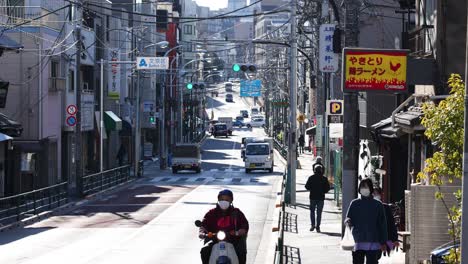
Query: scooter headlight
{"points": [[221, 235]]}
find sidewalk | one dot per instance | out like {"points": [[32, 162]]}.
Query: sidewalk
{"points": [[304, 246], [313, 247]]}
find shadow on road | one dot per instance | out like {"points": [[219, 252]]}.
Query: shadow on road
{"points": [[20, 233]]}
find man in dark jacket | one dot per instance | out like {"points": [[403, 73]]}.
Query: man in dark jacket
{"points": [[392, 232], [318, 186], [229, 219]]}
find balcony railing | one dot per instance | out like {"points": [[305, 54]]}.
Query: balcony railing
{"points": [[419, 41], [12, 15]]}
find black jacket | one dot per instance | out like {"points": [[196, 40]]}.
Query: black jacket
{"points": [[318, 186]]}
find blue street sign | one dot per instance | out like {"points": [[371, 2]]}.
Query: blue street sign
{"points": [[71, 120], [250, 88]]}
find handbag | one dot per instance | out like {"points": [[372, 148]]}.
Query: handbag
{"points": [[347, 242]]}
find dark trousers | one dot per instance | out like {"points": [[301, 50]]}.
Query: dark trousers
{"points": [[240, 246], [316, 204], [370, 255]]}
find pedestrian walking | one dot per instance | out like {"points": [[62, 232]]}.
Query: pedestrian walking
{"points": [[318, 186], [392, 232], [318, 162], [366, 217], [301, 142], [121, 155]]}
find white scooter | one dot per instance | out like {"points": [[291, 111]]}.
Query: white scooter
{"points": [[222, 251]]}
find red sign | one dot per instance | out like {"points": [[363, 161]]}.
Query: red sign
{"points": [[72, 109], [374, 70]]}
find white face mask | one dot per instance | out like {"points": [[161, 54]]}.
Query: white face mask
{"points": [[364, 192], [224, 204], [378, 197]]}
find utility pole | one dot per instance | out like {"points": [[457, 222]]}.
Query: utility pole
{"points": [[162, 115], [292, 157], [351, 115], [137, 118], [78, 139], [464, 223]]}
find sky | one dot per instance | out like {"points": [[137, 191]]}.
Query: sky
{"points": [[213, 4]]}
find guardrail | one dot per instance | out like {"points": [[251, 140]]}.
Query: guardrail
{"points": [[18, 207], [280, 228], [101, 181], [281, 149]]}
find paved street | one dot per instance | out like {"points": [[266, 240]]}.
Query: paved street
{"points": [[151, 221]]}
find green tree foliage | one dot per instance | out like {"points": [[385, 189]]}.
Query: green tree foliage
{"points": [[444, 127]]}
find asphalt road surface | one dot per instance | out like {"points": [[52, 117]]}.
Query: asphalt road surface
{"points": [[151, 221]]}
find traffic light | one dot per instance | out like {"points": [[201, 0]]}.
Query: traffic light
{"points": [[236, 67], [152, 118], [195, 86]]}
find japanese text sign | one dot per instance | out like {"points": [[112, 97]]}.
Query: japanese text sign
{"points": [[328, 60], [152, 63], [374, 70], [114, 75], [250, 88]]}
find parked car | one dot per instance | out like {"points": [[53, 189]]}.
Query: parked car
{"points": [[220, 129], [258, 121], [244, 113], [10, 127], [229, 98], [437, 255], [240, 118], [238, 123]]}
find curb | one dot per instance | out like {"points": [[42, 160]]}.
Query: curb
{"points": [[66, 207]]}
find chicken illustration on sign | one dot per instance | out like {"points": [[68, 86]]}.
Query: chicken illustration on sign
{"points": [[375, 70]]}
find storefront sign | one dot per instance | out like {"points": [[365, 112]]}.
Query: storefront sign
{"points": [[113, 90], [328, 60], [374, 70]]}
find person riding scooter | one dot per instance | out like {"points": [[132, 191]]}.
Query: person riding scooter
{"points": [[225, 217]]}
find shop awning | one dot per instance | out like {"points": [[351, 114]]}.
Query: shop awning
{"points": [[4, 137], [384, 129], [311, 130], [112, 121]]}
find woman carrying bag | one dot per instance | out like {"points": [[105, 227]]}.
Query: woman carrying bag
{"points": [[366, 217]]}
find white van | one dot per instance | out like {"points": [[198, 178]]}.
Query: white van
{"points": [[254, 111], [259, 156]]}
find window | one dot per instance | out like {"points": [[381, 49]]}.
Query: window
{"points": [[188, 29], [54, 68], [108, 27], [71, 78]]}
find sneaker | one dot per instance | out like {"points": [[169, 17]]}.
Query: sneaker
{"points": [[318, 229], [312, 228]]}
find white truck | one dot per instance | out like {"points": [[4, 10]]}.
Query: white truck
{"points": [[228, 121], [258, 155], [186, 157]]}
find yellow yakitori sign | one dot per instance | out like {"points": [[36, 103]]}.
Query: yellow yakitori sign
{"points": [[375, 70]]}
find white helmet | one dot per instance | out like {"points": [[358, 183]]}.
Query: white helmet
{"points": [[318, 159]]}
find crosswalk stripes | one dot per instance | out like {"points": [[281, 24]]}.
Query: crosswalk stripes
{"points": [[199, 180]]}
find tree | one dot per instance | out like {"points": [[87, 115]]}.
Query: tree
{"points": [[444, 127]]}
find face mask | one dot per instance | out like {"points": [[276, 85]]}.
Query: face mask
{"points": [[224, 204], [365, 192], [378, 197]]}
